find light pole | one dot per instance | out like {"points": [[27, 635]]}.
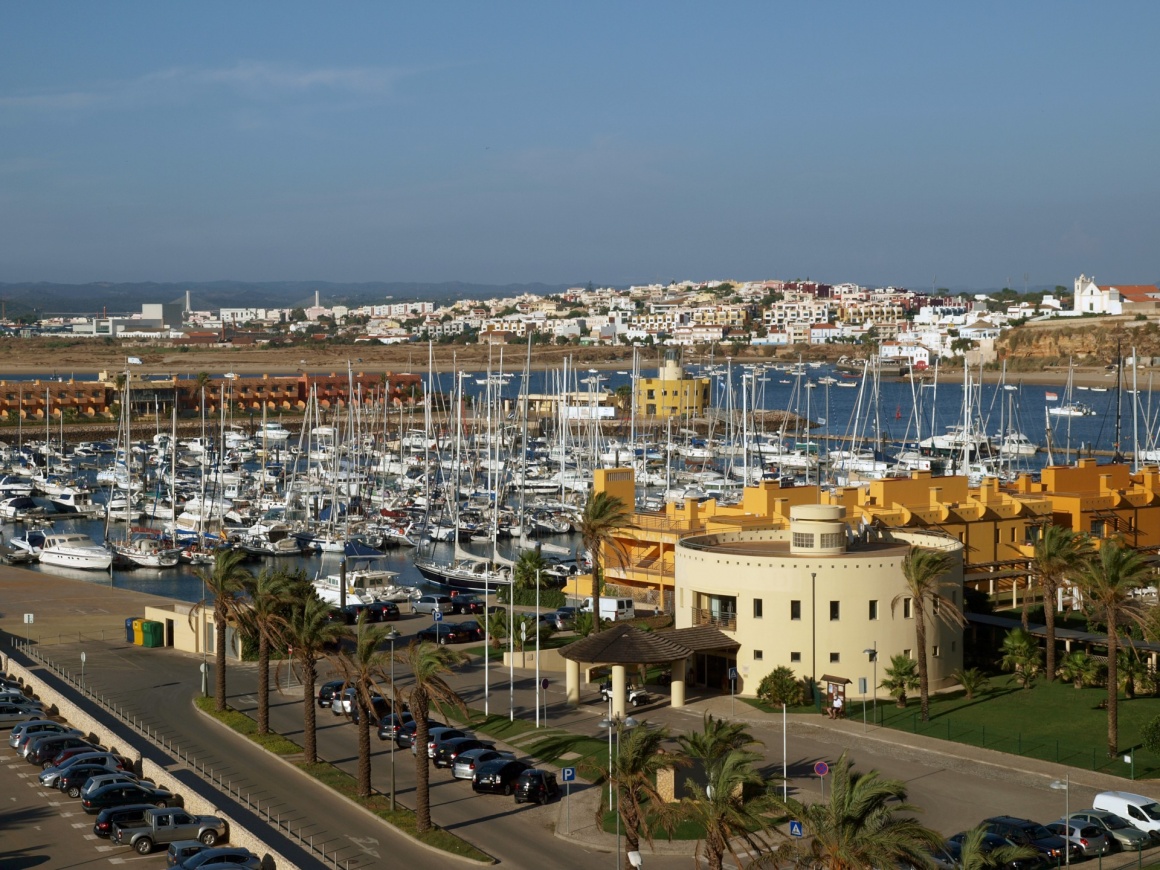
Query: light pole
{"points": [[617, 725], [873, 653], [537, 647], [396, 719], [1065, 787]]}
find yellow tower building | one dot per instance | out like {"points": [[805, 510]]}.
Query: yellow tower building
{"points": [[671, 394]]}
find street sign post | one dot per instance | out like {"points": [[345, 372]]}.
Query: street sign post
{"points": [[568, 774], [795, 829], [733, 691], [821, 769], [83, 657], [437, 615]]}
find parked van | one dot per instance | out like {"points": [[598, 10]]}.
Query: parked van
{"points": [[1142, 812], [612, 608]]}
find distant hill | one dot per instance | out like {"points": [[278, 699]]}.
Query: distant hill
{"points": [[122, 298]]}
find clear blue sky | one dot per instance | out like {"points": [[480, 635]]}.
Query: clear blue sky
{"points": [[958, 143]]}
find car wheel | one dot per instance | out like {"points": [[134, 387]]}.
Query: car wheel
{"points": [[74, 792], [143, 846], [636, 702], [507, 788], [443, 641], [209, 838], [161, 804]]}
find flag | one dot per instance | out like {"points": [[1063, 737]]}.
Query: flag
{"points": [[1053, 397]]}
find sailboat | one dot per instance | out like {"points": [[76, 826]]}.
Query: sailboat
{"points": [[1068, 407]]}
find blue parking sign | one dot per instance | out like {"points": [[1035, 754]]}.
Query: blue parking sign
{"points": [[568, 774], [795, 829], [437, 615]]}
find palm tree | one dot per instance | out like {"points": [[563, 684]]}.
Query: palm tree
{"points": [[1108, 581], [428, 662], [640, 755], [1078, 667], [973, 854], [924, 572], [1021, 655], [861, 824], [722, 809], [901, 677], [1058, 552], [1133, 672], [223, 583], [265, 619], [586, 623], [201, 382], [497, 628], [365, 668], [603, 515], [716, 738], [972, 680], [310, 633], [529, 566]]}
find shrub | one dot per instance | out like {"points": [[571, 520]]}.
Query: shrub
{"points": [[1150, 735], [781, 686]]}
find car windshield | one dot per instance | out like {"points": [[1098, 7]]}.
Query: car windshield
{"points": [[1037, 832], [1115, 822], [1152, 811]]}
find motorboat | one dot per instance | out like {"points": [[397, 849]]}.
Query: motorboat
{"points": [[1071, 409], [74, 550]]}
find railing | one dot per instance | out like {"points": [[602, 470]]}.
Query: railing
{"points": [[724, 621], [207, 773]]}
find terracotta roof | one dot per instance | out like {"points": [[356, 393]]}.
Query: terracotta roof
{"points": [[1134, 292], [700, 638], [624, 645]]}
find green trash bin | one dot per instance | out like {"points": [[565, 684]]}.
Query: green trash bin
{"points": [[154, 633], [139, 632]]}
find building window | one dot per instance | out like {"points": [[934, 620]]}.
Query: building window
{"points": [[795, 610], [934, 604], [906, 608], [832, 540], [757, 608], [758, 655], [874, 608], [795, 656], [906, 652], [835, 610], [803, 539], [934, 651], [1097, 528], [835, 658]]}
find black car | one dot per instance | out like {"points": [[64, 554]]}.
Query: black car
{"points": [[390, 724], [536, 786], [447, 752], [467, 604], [126, 815], [406, 735], [128, 793], [380, 707], [442, 633], [498, 777], [1027, 833], [471, 629], [328, 690], [73, 779], [383, 611]]}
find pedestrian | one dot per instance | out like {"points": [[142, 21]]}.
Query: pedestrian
{"points": [[837, 707]]}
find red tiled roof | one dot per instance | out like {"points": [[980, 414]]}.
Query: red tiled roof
{"points": [[1134, 292]]}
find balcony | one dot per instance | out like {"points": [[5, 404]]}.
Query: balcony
{"points": [[723, 621]]}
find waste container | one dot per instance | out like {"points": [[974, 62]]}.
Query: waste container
{"points": [[129, 629], [139, 632], [154, 633]]}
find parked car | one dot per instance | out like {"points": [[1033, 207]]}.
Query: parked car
{"points": [[380, 706], [498, 777], [22, 732], [566, 617], [471, 629], [390, 724], [447, 751], [1086, 838], [436, 737], [1027, 833], [442, 633], [74, 780], [468, 760], [44, 749], [1124, 836], [988, 844], [384, 611], [95, 783], [11, 713], [328, 690], [72, 752], [223, 856], [128, 793], [15, 696], [106, 818], [467, 604], [164, 826], [406, 738], [180, 850], [430, 603], [50, 777], [1141, 812], [536, 786]]}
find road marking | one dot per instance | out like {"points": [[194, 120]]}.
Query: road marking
{"points": [[365, 845], [83, 825], [91, 836]]}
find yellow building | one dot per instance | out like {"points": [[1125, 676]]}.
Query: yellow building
{"points": [[671, 394]]}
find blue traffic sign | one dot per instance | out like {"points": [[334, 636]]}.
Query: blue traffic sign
{"points": [[795, 829], [437, 615], [568, 774], [733, 673]]}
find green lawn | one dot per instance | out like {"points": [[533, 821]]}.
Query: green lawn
{"points": [[1051, 721]]}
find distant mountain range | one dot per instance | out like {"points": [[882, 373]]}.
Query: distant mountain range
{"points": [[122, 298]]}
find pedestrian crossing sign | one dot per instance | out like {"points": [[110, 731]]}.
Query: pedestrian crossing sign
{"points": [[795, 829]]}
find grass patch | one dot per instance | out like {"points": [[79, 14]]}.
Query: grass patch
{"points": [[769, 708], [342, 782], [1051, 721], [247, 727]]}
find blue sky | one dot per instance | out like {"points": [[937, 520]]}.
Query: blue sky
{"points": [[963, 145]]}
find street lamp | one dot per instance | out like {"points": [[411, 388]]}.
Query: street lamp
{"points": [[397, 720], [1065, 787], [873, 653], [618, 725]]}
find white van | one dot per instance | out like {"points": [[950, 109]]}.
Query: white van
{"points": [[612, 608], [1142, 812]]}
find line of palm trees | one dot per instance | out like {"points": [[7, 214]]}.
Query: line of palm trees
{"points": [[280, 610]]}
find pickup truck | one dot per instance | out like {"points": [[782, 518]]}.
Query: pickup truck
{"points": [[162, 826]]}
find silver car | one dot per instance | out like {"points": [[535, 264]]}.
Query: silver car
{"points": [[37, 726], [466, 762], [50, 776], [11, 713], [1125, 835], [1085, 837], [96, 782]]}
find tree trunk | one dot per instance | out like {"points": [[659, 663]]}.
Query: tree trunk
{"points": [[420, 710], [1026, 603], [920, 640], [219, 643], [309, 724], [364, 746], [1049, 590], [1113, 688], [263, 684]]}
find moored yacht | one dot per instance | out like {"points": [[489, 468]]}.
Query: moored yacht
{"points": [[74, 550]]}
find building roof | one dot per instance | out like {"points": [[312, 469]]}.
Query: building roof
{"points": [[1134, 292], [625, 645], [700, 638]]}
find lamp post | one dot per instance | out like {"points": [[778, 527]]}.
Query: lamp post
{"points": [[1065, 787], [537, 647], [618, 725], [397, 720], [873, 653]]}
